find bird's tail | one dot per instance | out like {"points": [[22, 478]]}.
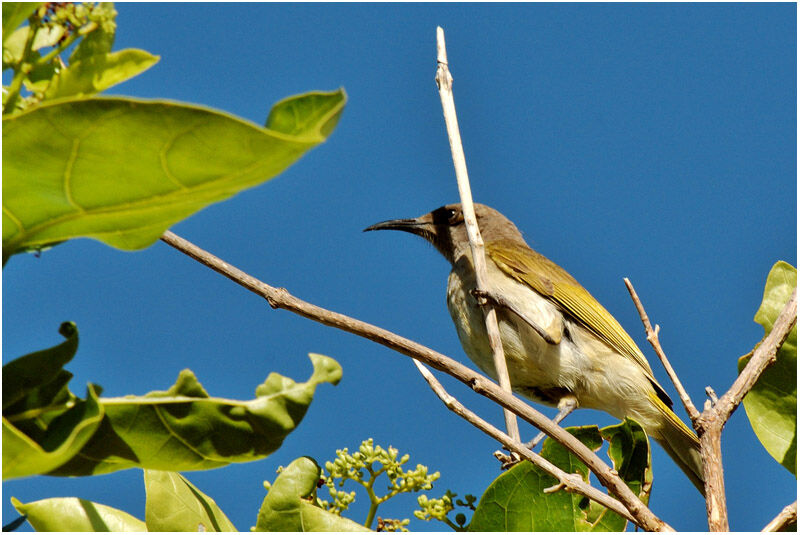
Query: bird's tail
{"points": [[682, 445]]}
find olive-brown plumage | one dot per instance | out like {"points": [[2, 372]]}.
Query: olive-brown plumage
{"points": [[560, 343]]}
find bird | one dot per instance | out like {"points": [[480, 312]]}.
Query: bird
{"points": [[561, 346]]}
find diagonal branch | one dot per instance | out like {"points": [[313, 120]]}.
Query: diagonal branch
{"points": [[281, 298], [444, 80], [569, 482], [652, 337], [710, 423], [764, 355], [787, 516]]}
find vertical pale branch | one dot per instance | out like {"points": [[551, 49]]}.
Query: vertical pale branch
{"points": [[444, 80]]}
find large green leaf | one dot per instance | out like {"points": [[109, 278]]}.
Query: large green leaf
{"points": [[14, 14], [517, 501], [629, 450], [185, 429], [47, 429], [772, 403], [174, 504], [286, 508], [74, 514], [123, 171]]}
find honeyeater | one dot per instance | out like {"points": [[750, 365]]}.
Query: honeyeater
{"points": [[562, 347]]}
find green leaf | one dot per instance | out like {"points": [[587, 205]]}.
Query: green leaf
{"points": [[185, 429], [300, 115], [74, 514], [174, 504], [771, 405], [15, 13], [629, 450], [65, 436], [14, 46], [97, 73], [517, 501], [44, 424], [22, 376], [286, 507], [123, 171]]}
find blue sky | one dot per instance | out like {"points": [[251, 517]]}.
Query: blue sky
{"points": [[654, 141]]}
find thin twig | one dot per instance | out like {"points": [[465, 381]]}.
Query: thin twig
{"points": [[281, 298], [445, 82], [710, 423], [566, 481], [652, 337], [784, 518]]}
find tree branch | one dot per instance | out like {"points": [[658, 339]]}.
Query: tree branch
{"points": [[764, 355], [444, 80], [710, 423], [784, 518], [569, 482], [652, 337], [280, 298]]}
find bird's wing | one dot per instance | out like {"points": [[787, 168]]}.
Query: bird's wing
{"points": [[548, 279]]}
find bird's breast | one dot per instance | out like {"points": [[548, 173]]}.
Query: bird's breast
{"points": [[534, 365]]}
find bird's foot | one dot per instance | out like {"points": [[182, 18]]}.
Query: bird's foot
{"points": [[483, 298]]}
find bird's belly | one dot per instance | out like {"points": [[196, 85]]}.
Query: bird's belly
{"points": [[538, 370], [545, 372]]}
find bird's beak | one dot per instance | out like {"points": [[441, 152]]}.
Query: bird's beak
{"points": [[421, 226], [408, 225]]}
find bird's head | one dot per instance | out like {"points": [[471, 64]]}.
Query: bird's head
{"points": [[445, 228]]}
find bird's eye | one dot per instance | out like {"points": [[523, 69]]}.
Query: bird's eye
{"points": [[451, 215]]}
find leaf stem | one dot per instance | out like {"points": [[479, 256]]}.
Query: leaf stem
{"points": [[39, 411], [56, 51], [22, 67]]}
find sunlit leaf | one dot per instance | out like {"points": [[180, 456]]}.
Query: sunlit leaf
{"points": [[123, 171], [185, 429], [174, 504], [286, 509], [48, 430], [74, 514], [517, 501], [95, 74], [15, 13], [772, 403]]}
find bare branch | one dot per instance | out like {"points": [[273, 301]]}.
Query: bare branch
{"points": [[445, 82], [280, 298], [764, 355], [784, 518], [652, 337], [710, 423], [568, 482]]}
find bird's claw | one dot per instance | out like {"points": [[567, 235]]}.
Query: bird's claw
{"points": [[483, 298]]}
